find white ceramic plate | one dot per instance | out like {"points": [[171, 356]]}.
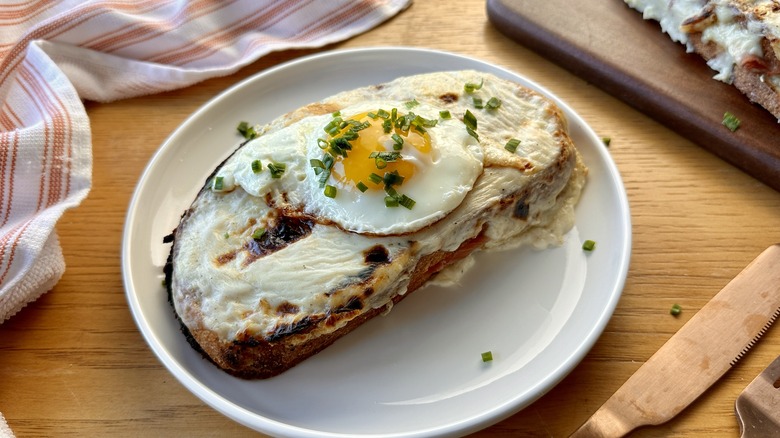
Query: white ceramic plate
{"points": [[417, 371]]}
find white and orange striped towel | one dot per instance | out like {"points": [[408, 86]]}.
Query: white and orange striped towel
{"points": [[53, 53]]}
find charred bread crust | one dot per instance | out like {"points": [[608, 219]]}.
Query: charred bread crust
{"points": [[750, 76]]}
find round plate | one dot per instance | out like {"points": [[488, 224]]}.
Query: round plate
{"points": [[418, 370]]}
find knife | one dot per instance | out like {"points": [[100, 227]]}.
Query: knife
{"points": [[707, 346]]}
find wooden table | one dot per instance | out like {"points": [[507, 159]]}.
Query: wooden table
{"points": [[73, 362]]}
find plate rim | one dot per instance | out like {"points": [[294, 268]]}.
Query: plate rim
{"points": [[487, 417]]}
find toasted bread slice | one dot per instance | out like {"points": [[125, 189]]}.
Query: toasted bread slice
{"points": [[740, 39], [257, 304]]}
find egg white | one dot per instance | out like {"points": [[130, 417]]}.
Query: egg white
{"points": [[440, 183]]}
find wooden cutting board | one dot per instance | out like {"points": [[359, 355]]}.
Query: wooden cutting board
{"points": [[610, 45]]}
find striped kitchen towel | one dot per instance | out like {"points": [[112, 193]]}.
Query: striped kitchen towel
{"points": [[53, 53]]}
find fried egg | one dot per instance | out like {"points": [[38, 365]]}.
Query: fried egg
{"points": [[379, 168]]}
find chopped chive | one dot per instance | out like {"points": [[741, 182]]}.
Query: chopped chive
{"points": [[588, 245], [323, 178], [512, 145], [336, 113], [398, 142], [315, 163], [246, 130], [372, 114], [327, 160], [493, 103], [472, 133], [219, 182], [257, 166], [731, 121], [258, 233], [380, 163], [406, 202], [470, 87], [606, 141], [487, 356], [277, 169], [391, 191], [322, 143], [383, 114], [374, 178], [226, 235], [362, 187], [393, 115], [391, 201], [393, 179], [478, 103], [470, 120], [411, 104], [387, 126], [675, 310], [445, 115], [330, 191]]}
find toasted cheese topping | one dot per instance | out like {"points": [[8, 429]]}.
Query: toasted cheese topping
{"points": [[737, 27], [246, 263]]}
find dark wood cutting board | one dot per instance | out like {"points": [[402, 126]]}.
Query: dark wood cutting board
{"points": [[610, 45]]}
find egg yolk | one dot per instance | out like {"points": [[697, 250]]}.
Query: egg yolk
{"points": [[357, 166]]}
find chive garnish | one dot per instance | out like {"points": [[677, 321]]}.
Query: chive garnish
{"points": [[470, 87], [471, 124], [606, 141], [445, 115], [218, 183], [470, 120], [258, 233], [512, 145], [411, 104], [246, 130], [391, 201], [383, 114], [493, 103], [328, 160], [477, 103], [322, 143], [330, 191], [731, 121], [336, 114], [487, 356], [277, 169], [675, 310], [257, 166], [374, 178], [362, 187], [588, 245], [398, 142], [387, 126], [406, 202], [393, 178], [317, 164]]}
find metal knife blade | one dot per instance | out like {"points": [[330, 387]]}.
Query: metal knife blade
{"points": [[707, 346]]}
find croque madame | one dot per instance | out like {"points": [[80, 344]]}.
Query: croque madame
{"points": [[335, 212]]}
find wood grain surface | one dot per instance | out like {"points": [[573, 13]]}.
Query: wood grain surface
{"points": [[608, 44], [73, 363]]}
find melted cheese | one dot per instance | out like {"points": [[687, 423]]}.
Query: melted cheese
{"points": [[736, 39], [219, 285]]}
